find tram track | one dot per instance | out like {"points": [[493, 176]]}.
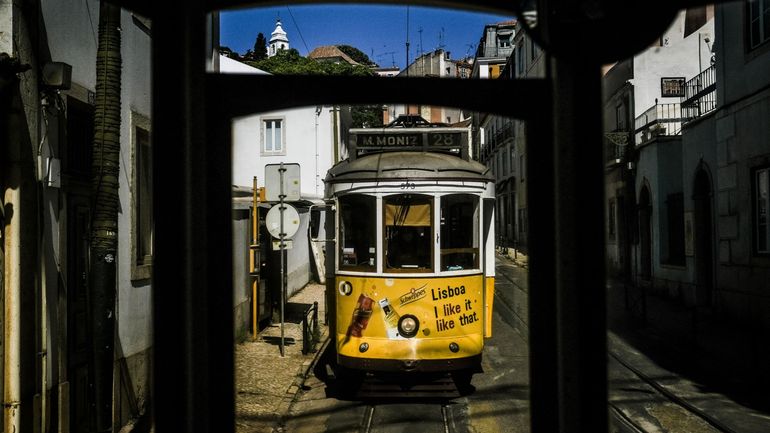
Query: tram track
{"points": [[635, 426], [375, 414]]}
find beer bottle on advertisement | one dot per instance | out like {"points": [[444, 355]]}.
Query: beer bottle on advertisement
{"points": [[361, 315], [390, 317]]}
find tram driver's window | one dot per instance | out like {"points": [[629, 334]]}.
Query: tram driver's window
{"points": [[358, 233], [459, 232], [408, 224]]}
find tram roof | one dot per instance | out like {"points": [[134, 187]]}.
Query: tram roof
{"points": [[407, 165]]}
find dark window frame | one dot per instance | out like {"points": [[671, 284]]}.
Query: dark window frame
{"points": [[680, 80], [431, 237], [755, 238], [371, 267]]}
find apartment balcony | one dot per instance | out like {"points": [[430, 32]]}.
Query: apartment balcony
{"points": [[616, 146], [503, 136], [660, 119], [700, 96]]}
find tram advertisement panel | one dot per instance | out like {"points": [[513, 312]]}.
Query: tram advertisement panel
{"points": [[379, 308]]}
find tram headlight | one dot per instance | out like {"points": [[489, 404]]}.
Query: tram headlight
{"points": [[408, 326], [345, 288]]}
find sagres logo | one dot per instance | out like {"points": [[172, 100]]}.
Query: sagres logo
{"points": [[413, 295]]}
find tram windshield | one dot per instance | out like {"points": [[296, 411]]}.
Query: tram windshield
{"points": [[408, 230], [459, 233], [358, 233]]}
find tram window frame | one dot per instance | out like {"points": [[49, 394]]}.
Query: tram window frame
{"points": [[370, 265], [431, 201], [475, 232]]}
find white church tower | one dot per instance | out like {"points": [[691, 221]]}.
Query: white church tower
{"points": [[278, 40]]}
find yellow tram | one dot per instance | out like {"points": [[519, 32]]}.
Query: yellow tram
{"points": [[413, 258]]}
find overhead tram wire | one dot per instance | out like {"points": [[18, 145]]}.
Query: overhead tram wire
{"points": [[291, 14]]}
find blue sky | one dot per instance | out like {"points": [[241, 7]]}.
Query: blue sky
{"points": [[379, 31]]}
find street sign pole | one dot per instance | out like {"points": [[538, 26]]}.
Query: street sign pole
{"points": [[287, 176]]}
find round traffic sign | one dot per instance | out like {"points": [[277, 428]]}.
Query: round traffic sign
{"points": [[290, 221]]}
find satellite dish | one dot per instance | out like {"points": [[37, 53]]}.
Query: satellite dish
{"points": [[290, 221]]}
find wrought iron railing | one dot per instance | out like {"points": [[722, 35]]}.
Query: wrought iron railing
{"points": [[660, 119], [699, 95], [616, 145]]}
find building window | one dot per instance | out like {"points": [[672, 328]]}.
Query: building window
{"points": [[273, 136], [761, 207], [675, 219], [759, 22], [520, 59], [672, 87], [80, 138], [620, 116], [504, 41], [142, 198], [522, 170], [611, 219], [532, 52]]}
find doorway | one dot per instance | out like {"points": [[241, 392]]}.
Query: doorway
{"points": [[645, 234]]}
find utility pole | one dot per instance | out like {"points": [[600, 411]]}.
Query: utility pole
{"points": [[104, 223]]}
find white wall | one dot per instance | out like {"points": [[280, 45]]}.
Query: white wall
{"points": [[677, 59], [308, 141], [134, 297], [73, 32]]}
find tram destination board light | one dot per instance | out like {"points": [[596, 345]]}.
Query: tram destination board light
{"points": [[291, 184]]}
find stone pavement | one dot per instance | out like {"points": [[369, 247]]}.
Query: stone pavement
{"points": [[265, 383], [682, 353]]}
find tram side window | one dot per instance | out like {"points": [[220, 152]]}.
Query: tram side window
{"points": [[408, 230], [459, 232], [358, 233]]}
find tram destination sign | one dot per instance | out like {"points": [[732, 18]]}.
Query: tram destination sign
{"points": [[431, 139]]}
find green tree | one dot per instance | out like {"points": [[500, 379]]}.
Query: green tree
{"points": [[260, 48], [366, 116], [290, 62], [357, 55], [227, 52]]}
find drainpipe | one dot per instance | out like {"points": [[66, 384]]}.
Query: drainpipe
{"points": [[12, 287], [12, 130]]}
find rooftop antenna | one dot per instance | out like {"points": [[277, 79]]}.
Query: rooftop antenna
{"points": [[441, 39], [420, 32], [407, 41], [471, 49]]}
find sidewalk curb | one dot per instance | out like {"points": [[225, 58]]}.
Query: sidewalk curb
{"points": [[299, 380]]}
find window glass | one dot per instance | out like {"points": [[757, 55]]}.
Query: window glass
{"points": [[273, 138], [459, 234], [763, 203], [143, 197], [358, 233], [408, 230], [759, 21]]}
